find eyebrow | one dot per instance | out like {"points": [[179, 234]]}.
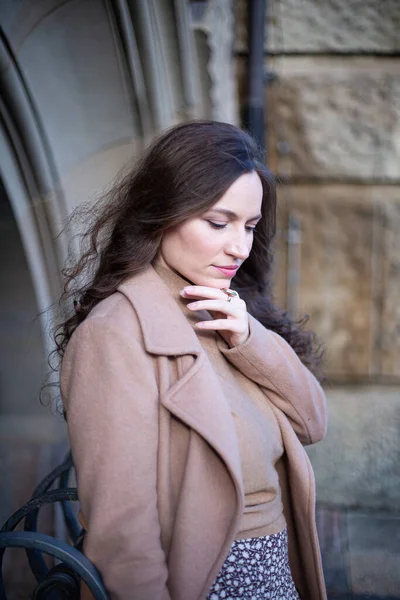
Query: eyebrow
{"points": [[231, 214]]}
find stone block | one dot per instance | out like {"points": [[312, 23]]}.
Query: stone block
{"points": [[335, 119], [334, 274], [374, 554], [363, 26], [357, 465], [344, 273], [389, 340], [335, 282], [332, 535]]}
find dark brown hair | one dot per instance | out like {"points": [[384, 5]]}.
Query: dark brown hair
{"points": [[183, 173]]}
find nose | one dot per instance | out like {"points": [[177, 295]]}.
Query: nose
{"points": [[239, 246]]}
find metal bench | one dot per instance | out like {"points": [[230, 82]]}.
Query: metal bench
{"points": [[62, 582]]}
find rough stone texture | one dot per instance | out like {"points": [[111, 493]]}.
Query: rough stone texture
{"points": [[357, 465], [336, 118], [215, 21], [390, 329], [327, 26], [360, 551], [332, 534], [374, 554], [334, 280], [348, 273]]}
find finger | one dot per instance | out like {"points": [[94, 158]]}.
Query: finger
{"points": [[223, 306], [200, 291], [220, 325]]}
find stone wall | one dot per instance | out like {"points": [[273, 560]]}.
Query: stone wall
{"points": [[315, 26], [348, 273], [333, 133], [357, 464]]}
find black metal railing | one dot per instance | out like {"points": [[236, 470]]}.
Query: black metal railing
{"points": [[62, 582]]}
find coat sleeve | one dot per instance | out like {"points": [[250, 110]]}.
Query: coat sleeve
{"points": [[268, 360], [110, 394]]}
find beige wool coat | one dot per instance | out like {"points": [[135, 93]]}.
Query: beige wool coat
{"points": [[155, 448]]}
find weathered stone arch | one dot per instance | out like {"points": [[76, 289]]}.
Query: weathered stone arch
{"points": [[86, 85], [27, 177]]}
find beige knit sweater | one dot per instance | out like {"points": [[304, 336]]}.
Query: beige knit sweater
{"points": [[258, 433]]}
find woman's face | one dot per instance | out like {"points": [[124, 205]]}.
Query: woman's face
{"points": [[208, 249]]}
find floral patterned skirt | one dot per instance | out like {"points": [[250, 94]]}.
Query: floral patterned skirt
{"points": [[256, 569]]}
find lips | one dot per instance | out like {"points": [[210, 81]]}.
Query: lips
{"points": [[227, 271]]}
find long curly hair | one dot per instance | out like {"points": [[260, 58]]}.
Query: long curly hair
{"points": [[184, 172]]}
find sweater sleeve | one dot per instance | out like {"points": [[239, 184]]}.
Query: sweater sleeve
{"points": [[110, 394], [268, 360]]}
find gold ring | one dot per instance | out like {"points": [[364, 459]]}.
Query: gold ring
{"points": [[230, 293]]}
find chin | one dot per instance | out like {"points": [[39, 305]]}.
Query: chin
{"points": [[210, 281], [221, 283]]}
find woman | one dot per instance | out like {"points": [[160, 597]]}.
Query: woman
{"points": [[188, 403]]}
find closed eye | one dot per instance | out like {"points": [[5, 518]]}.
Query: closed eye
{"points": [[223, 225], [217, 225]]}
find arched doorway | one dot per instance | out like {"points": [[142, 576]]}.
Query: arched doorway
{"points": [[22, 355]]}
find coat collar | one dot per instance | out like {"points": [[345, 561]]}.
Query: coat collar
{"points": [[164, 326]]}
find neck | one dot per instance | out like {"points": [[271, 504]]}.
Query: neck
{"points": [[175, 282], [172, 278]]}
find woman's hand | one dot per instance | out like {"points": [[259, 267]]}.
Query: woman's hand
{"points": [[230, 317]]}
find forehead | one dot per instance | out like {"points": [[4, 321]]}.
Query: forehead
{"points": [[244, 196]]}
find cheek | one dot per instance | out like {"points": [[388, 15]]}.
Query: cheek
{"points": [[199, 241], [208, 245], [194, 242]]}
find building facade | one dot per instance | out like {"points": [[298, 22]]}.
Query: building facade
{"points": [[86, 84]]}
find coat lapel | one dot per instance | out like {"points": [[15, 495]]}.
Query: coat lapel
{"points": [[166, 332], [206, 410]]}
